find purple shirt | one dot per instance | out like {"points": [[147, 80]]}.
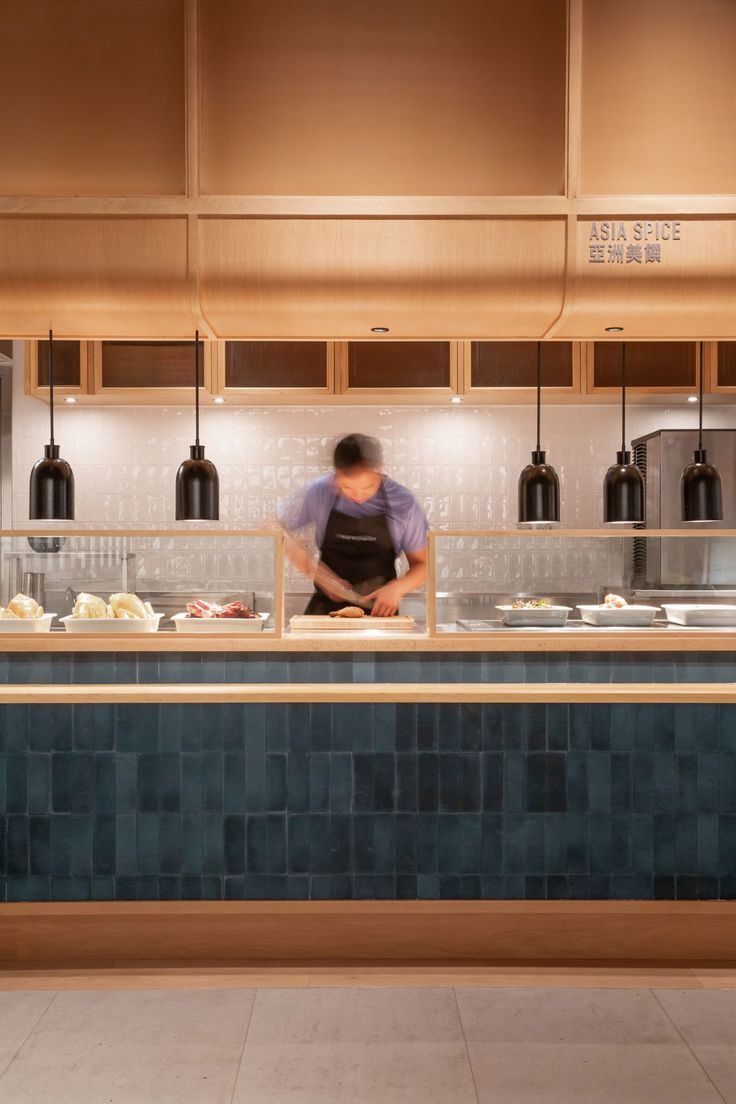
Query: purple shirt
{"points": [[313, 505]]}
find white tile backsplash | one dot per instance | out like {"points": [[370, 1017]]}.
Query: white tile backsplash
{"points": [[462, 462]]}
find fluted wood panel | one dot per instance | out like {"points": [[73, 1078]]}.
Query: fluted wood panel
{"points": [[82, 277], [92, 97], [421, 278], [659, 97], [413, 98]]}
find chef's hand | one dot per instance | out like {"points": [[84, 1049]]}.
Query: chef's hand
{"points": [[386, 599]]}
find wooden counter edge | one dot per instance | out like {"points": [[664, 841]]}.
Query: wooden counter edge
{"points": [[89, 934], [386, 692]]}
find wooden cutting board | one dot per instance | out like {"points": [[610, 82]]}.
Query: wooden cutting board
{"points": [[317, 623]]}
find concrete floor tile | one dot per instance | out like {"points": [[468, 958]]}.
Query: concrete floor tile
{"points": [[704, 1017], [19, 1014]]}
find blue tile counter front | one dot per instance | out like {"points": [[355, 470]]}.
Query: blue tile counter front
{"points": [[297, 801]]}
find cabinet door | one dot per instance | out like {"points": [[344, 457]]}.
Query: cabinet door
{"points": [[70, 369], [652, 367], [506, 371], [149, 371], [276, 371], [410, 371], [724, 374]]}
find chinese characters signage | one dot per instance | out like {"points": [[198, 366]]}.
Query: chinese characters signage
{"points": [[631, 243]]}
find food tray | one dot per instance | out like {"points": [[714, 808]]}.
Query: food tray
{"points": [[606, 617], [111, 624], [316, 623], [545, 617], [694, 616], [27, 625], [187, 624]]}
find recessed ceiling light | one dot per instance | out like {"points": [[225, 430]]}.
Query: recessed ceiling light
{"points": [[70, 399], [456, 399], [692, 398], [218, 399], [379, 329], [614, 329]]}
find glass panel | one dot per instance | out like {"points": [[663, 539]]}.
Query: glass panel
{"points": [[727, 363], [514, 364], [276, 364], [66, 364], [388, 364], [167, 571], [648, 364], [148, 364]]}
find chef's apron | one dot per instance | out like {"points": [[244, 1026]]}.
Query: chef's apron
{"points": [[356, 549]]}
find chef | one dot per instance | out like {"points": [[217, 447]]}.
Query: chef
{"points": [[362, 523]]}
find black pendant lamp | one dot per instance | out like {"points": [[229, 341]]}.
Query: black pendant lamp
{"points": [[197, 483], [623, 488], [51, 492], [539, 487], [700, 486]]}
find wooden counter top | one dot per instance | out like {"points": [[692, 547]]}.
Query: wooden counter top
{"points": [[510, 640]]}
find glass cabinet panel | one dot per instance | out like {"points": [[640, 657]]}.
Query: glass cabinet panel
{"points": [[67, 363], [387, 365], [280, 364], [513, 364], [650, 365], [143, 364]]}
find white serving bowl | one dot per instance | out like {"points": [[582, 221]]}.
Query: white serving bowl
{"points": [[27, 625], [112, 624], [625, 617], [184, 623], [542, 617], [695, 616]]}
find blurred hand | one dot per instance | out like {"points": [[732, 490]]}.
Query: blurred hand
{"points": [[386, 599]]}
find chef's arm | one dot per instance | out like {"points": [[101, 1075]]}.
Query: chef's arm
{"points": [[298, 553], [387, 598]]}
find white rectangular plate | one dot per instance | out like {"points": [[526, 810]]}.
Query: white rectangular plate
{"points": [[112, 624], [184, 623], [695, 616], [610, 617], [31, 625], [543, 617], [316, 623]]}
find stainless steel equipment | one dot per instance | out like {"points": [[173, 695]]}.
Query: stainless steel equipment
{"points": [[658, 565], [34, 586]]}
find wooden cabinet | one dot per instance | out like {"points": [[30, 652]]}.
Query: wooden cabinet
{"points": [[652, 367], [723, 367], [148, 372], [506, 371], [416, 371], [71, 369], [262, 371]]}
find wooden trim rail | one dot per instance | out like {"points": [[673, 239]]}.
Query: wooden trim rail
{"points": [[336, 692]]}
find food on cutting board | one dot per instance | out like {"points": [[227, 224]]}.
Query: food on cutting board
{"points": [[21, 608], [207, 610], [530, 603], [120, 607], [348, 611], [614, 601]]}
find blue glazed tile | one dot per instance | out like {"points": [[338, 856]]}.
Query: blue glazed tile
{"points": [[471, 844], [726, 728], [297, 782], [514, 887], [621, 782], [228, 719], [535, 667], [363, 845], [60, 844], [664, 888], [686, 767], [600, 844], [320, 726], [600, 727], [557, 723], [234, 843], [492, 889], [727, 783], [686, 843], [406, 721], [708, 772], [534, 845], [384, 726], [103, 844], [126, 889], [514, 832], [578, 844], [16, 768], [555, 843], [319, 844], [126, 845], [256, 789], [406, 843], [448, 844], [319, 783], [492, 781], [406, 783], [103, 889], [169, 844], [191, 844], [664, 826], [492, 844], [105, 788], [125, 669], [363, 668], [536, 782], [513, 728], [406, 887], [557, 888], [427, 829], [428, 887], [620, 843], [599, 781], [427, 782], [632, 887], [169, 789], [50, 728], [471, 727], [622, 727], [39, 782], [427, 738], [136, 727], [428, 668], [686, 727], [514, 781], [340, 844], [298, 852], [535, 887], [276, 727], [297, 724], [255, 737], [341, 784], [448, 726], [555, 782], [168, 888], [493, 727], [642, 843], [234, 800], [148, 832], [149, 773], [14, 724], [38, 845], [706, 719], [211, 765], [707, 845], [35, 888]]}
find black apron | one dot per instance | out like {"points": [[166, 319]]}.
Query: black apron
{"points": [[356, 549]]}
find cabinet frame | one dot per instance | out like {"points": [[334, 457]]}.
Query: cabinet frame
{"points": [[710, 382], [148, 396], [518, 396], [61, 391], [273, 396], [398, 396], [642, 393]]}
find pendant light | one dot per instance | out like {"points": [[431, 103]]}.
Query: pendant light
{"points": [[623, 488], [700, 486], [51, 491], [197, 483], [539, 487]]}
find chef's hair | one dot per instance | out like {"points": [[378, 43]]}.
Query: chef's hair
{"points": [[358, 451]]}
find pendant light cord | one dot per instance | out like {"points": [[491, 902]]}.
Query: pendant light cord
{"points": [[539, 395], [51, 385], [623, 396], [196, 386], [700, 403]]}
